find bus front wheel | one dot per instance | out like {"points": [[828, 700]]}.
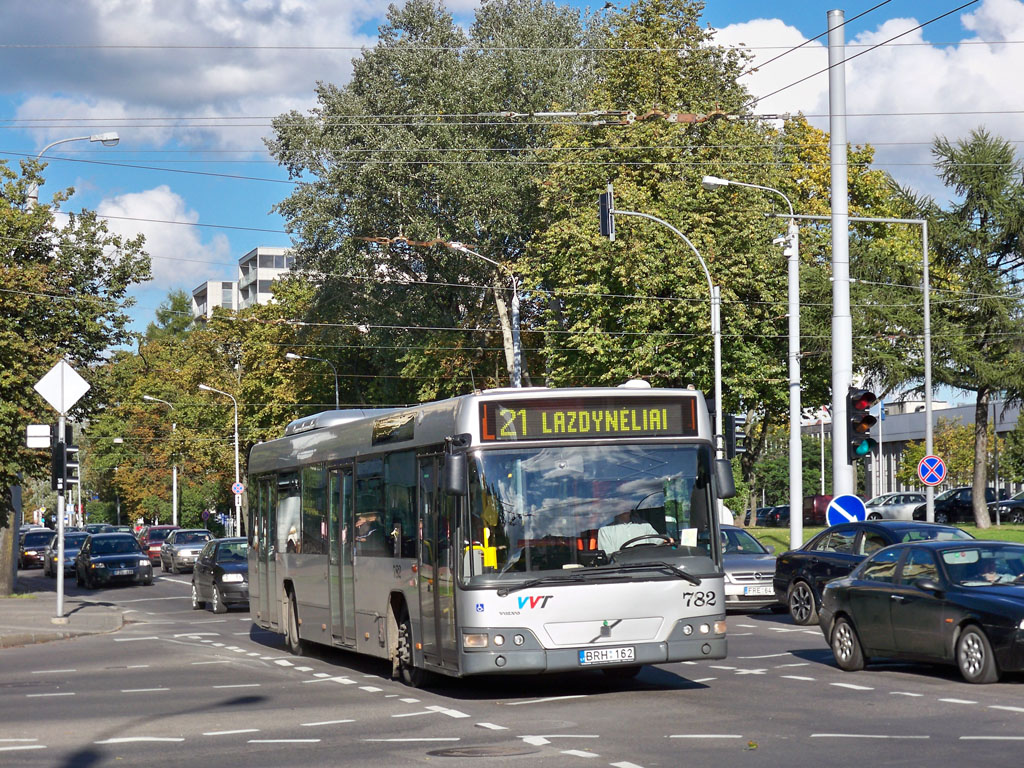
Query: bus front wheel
{"points": [[291, 634], [411, 675]]}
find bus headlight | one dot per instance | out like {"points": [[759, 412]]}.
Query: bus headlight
{"points": [[719, 627], [474, 641], [518, 639], [499, 639]]}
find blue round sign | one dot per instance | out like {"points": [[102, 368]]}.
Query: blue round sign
{"points": [[845, 509], [931, 470]]}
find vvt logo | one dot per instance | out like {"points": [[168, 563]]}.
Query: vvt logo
{"points": [[534, 600]]}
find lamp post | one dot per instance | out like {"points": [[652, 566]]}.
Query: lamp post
{"points": [[108, 139], [517, 350], [796, 491], [205, 388], [174, 466], [293, 356]]}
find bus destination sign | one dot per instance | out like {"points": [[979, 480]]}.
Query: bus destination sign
{"points": [[581, 418]]}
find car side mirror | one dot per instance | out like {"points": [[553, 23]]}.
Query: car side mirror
{"points": [[770, 548], [928, 585]]}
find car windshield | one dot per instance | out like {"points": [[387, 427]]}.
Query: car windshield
{"points": [[192, 537], [741, 543], [947, 494], [985, 566], [159, 534], [936, 534], [38, 539], [114, 546], [232, 552], [555, 508], [74, 540]]}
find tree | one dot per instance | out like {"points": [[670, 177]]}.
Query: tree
{"points": [[955, 443], [173, 316], [63, 296]]}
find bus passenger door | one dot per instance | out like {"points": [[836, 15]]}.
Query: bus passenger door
{"points": [[267, 563], [340, 535], [436, 568]]}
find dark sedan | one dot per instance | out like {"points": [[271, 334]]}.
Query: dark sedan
{"points": [[801, 574], [221, 575], [950, 602], [1010, 510], [72, 545], [957, 505], [32, 546], [777, 517], [112, 558]]}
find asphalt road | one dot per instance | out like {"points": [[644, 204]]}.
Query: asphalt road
{"points": [[178, 686]]}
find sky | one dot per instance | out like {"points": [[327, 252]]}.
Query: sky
{"points": [[191, 85]]}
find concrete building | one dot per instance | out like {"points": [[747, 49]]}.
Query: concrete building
{"points": [[214, 293], [257, 270]]}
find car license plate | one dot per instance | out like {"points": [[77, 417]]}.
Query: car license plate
{"points": [[606, 655], [123, 572], [759, 589]]}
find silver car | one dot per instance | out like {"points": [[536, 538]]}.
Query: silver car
{"points": [[899, 505], [181, 547], [749, 569]]}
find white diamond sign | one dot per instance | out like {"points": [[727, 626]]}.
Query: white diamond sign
{"points": [[62, 387]]}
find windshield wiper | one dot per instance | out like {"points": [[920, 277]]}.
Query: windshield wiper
{"points": [[659, 565], [544, 580]]}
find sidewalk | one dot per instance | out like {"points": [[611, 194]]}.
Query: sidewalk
{"points": [[29, 618]]}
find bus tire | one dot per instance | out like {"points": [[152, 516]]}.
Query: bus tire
{"points": [[291, 634], [409, 674]]}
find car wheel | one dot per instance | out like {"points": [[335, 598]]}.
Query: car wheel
{"points": [[217, 604], [875, 516], [410, 675], [291, 635], [846, 646], [942, 517], [147, 583], [196, 602], [974, 656], [1016, 516], [802, 605]]}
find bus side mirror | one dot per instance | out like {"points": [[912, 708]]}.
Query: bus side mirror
{"points": [[723, 479], [454, 477]]}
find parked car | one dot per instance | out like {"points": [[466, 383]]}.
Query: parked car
{"points": [[32, 545], [72, 544], [801, 574], [952, 602], [894, 506], [123, 529], [1010, 510], [181, 547], [99, 528], [777, 517], [151, 538], [749, 568], [956, 505], [759, 515], [112, 558], [816, 509], [221, 575]]}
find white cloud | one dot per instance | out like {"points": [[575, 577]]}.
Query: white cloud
{"points": [[909, 91], [180, 257]]}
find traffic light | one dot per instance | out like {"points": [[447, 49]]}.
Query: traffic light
{"points": [[858, 424], [735, 435], [606, 213], [71, 465], [59, 457]]}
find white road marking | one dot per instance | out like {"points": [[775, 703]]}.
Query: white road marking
{"points": [[578, 753], [446, 711], [370, 688], [796, 664], [740, 634], [142, 690], [766, 656], [342, 680], [426, 738], [49, 672], [219, 661], [41, 695], [326, 722], [154, 599], [853, 687], [705, 736], [797, 677], [241, 633], [704, 679], [751, 671], [992, 738], [746, 626], [410, 701], [239, 685], [904, 693], [11, 741], [283, 662], [719, 666], [137, 666], [231, 733], [958, 701], [1008, 709], [415, 714], [303, 669], [284, 741], [626, 765], [537, 741], [863, 736], [23, 747], [130, 739], [133, 639], [492, 726], [542, 701], [197, 634]]}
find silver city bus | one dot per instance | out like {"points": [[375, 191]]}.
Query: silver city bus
{"points": [[508, 531]]}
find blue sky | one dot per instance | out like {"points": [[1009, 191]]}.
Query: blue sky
{"points": [[68, 73]]}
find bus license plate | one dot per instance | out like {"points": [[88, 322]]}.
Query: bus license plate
{"points": [[606, 655], [759, 589]]}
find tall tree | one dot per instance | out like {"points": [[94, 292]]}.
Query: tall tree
{"points": [[173, 316], [63, 296]]}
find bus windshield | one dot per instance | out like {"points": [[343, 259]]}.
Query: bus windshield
{"points": [[573, 506]]}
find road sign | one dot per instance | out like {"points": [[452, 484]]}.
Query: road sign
{"points": [[237, 488], [38, 436], [62, 387], [931, 470], [238, 501], [845, 509], [206, 514]]}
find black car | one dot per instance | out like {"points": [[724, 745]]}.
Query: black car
{"points": [[32, 546], [1010, 510], [957, 505], [801, 574], [777, 517], [112, 558], [72, 545], [952, 602], [221, 575]]}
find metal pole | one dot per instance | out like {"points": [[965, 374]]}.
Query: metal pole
{"points": [[842, 328], [716, 324], [60, 618], [929, 491], [881, 449], [238, 523], [822, 422]]}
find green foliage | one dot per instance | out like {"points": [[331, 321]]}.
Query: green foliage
{"points": [[954, 443], [173, 316]]}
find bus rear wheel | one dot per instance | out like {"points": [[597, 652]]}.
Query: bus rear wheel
{"points": [[291, 633], [410, 675]]}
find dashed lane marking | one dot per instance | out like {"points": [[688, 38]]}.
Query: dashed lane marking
{"points": [[905, 693], [545, 700], [284, 741], [447, 711], [1008, 709], [798, 677], [626, 765], [853, 687], [283, 662], [958, 701], [705, 736], [794, 664], [143, 690], [132, 739], [22, 747], [50, 672], [704, 679], [864, 736], [410, 701], [239, 685], [41, 695], [325, 722], [134, 639], [425, 738], [415, 714], [218, 661], [370, 688], [578, 753], [231, 733], [765, 656], [492, 726], [992, 738]]}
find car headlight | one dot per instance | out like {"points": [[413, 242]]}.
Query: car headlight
{"points": [[229, 577], [99, 565], [1021, 625], [31, 552], [144, 561]]}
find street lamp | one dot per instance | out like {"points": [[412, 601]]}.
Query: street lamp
{"points": [[796, 491], [517, 350], [293, 356], [174, 466], [108, 139], [205, 388]]}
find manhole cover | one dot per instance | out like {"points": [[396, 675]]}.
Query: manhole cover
{"points": [[483, 751]]}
